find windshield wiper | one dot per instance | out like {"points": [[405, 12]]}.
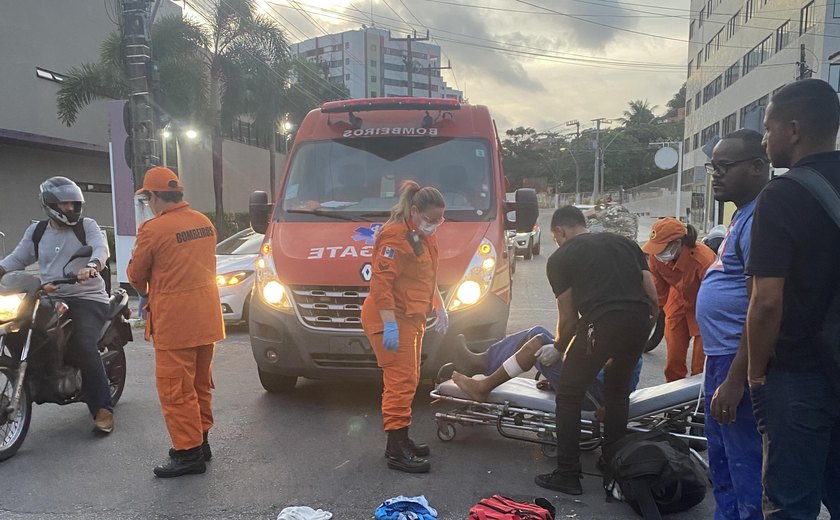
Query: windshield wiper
{"points": [[329, 214]]}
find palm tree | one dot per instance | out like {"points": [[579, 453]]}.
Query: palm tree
{"points": [[640, 112]]}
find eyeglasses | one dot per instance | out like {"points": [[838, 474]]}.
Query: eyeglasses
{"points": [[723, 167], [432, 222]]}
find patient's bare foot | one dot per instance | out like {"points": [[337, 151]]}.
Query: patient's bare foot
{"points": [[475, 388]]}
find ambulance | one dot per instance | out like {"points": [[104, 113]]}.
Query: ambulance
{"points": [[340, 182]]}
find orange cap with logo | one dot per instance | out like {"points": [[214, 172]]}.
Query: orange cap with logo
{"points": [[662, 233], [160, 179]]}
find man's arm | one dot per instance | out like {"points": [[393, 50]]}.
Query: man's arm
{"points": [[764, 320], [566, 320], [93, 235], [22, 256]]}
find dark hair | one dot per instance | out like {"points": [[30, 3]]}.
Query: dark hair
{"points": [[813, 103], [751, 141], [690, 237], [170, 196], [568, 217]]}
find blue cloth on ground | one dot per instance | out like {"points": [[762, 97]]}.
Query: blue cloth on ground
{"points": [[406, 508]]}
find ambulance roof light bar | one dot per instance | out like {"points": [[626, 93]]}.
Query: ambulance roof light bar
{"points": [[389, 103]]}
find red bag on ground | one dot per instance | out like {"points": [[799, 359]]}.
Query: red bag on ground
{"points": [[498, 507]]}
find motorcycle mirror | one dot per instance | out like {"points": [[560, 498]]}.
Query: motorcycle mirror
{"points": [[78, 260]]}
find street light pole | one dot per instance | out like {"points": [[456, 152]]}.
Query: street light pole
{"points": [[597, 175]]}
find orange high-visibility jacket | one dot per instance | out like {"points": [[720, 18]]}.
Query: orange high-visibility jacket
{"points": [[175, 254]]}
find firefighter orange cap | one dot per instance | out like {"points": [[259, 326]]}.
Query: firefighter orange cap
{"points": [[664, 232], [160, 179]]}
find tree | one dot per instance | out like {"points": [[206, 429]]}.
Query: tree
{"points": [[640, 112], [676, 103]]}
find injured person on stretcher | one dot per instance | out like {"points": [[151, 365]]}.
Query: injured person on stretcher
{"points": [[478, 374]]}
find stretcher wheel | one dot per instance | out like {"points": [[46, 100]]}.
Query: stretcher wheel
{"points": [[549, 451], [446, 432]]}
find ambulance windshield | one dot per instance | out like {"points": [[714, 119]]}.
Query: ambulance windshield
{"points": [[361, 177]]}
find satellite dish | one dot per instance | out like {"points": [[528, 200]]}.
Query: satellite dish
{"points": [[666, 158]]}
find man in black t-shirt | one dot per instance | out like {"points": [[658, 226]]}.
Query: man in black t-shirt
{"points": [[605, 299], [793, 259]]}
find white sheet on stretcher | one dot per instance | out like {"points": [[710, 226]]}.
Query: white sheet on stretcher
{"points": [[523, 392]]}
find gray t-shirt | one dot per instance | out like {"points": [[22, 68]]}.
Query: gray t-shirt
{"points": [[56, 247]]}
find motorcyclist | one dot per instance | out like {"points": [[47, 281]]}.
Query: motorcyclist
{"points": [[87, 301]]}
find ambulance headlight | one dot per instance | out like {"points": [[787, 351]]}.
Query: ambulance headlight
{"points": [[268, 284], [477, 279]]}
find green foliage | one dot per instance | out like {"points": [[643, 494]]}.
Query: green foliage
{"points": [[233, 223]]}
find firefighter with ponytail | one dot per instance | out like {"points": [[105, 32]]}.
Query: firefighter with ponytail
{"points": [[403, 292]]}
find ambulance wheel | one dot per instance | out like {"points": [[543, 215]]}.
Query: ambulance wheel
{"points": [[529, 251], [446, 432], [277, 383]]}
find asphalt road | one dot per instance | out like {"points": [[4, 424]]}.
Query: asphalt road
{"points": [[320, 446]]}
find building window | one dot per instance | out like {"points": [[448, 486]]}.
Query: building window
{"points": [[372, 93], [749, 11], [834, 76], [709, 5], [691, 28], [837, 8], [702, 17], [758, 55], [688, 108], [49, 75], [699, 58], [709, 132], [373, 79], [806, 19], [732, 26], [373, 63], [347, 77], [346, 45], [696, 140], [347, 61], [729, 125], [731, 75], [373, 47], [686, 145], [697, 101], [690, 66], [712, 89]]}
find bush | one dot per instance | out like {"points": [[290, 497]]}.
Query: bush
{"points": [[233, 223]]}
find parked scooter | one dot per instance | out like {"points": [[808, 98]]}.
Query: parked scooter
{"points": [[36, 360]]}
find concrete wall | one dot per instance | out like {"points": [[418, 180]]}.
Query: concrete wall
{"points": [[246, 169]]}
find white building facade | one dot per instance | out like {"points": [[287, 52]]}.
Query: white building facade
{"points": [[372, 64], [740, 53]]}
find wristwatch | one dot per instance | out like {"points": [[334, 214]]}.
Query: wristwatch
{"points": [[93, 265]]}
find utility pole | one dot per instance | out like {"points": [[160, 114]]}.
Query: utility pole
{"points": [[429, 70], [575, 123], [409, 59], [597, 176], [139, 68], [804, 71]]}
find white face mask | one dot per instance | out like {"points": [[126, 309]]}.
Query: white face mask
{"points": [[669, 254], [427, 229]]}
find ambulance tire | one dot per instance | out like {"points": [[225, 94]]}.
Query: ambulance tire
{"points": [[277, 383]]}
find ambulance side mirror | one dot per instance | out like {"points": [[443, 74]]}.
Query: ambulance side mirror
{"points": [[259, 209], [522, 214]]}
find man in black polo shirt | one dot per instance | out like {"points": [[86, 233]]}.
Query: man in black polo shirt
{"points": [[794, 255], [605, 279]]}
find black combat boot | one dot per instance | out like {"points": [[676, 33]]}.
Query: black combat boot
{"points": [[183, 462], [205, 449], [400, 456], [419, 450]]}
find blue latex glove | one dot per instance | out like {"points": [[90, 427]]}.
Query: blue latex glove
{"points": [[442, 324], [391, 336]]}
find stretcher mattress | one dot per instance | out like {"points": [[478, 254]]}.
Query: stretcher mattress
{"points": [[522, 392]]}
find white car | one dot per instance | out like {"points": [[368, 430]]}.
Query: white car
{"points": [[528, 244], [235, 257]]}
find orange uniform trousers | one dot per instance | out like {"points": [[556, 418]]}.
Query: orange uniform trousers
{"points": [[400, 372], [185, 385], [677, 338]]}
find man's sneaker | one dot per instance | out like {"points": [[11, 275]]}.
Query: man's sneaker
{"points": [[103, 421], [184, 462], [564, 483]]}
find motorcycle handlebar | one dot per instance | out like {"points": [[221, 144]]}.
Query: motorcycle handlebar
{"points": [[64, 281]]}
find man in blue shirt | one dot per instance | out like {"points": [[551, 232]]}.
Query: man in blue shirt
{"points": [[739, 170]]}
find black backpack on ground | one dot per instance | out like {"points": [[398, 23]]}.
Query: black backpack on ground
{"points": [[79, 231], [654, 473]]}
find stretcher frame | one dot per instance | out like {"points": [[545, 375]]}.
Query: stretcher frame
{"points": [[683, 419]]}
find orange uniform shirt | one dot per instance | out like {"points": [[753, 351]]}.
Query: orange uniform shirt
{"points": [[175, 254], [401, 280], [677, 283]]}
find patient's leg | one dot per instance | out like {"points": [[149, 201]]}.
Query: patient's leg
{"points": [[467, 361], [522, 361]]}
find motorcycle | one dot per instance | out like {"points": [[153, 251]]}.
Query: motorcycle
{"points": [[36, 358]]}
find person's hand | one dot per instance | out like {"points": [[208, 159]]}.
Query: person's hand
{"points": [[391, 336], [726, 400], [50, 288], [547, 355], [442, 324], [86, 273]]}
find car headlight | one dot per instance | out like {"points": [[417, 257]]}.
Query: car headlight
{"points": [[9, 306], [477, 279], [269, 287], [232, 278]]}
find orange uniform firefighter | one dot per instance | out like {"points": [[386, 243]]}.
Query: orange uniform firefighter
{"points": [[403, 292], [174, 263], [678, 264]]}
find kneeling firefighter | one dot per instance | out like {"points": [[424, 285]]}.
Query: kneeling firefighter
{"points": [[403, 291]]}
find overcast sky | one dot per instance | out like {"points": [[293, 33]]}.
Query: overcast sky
{"points": [[560, 59]]}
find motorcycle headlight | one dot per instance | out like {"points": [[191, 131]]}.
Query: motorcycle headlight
{"points": [[269, 287], [477, 279], [232, 278], [9, 306]]}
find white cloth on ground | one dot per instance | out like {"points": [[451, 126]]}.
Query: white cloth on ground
{"points": [[303, 513]]}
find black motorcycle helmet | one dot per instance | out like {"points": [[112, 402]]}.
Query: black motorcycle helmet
{"points": [[61, 189]]}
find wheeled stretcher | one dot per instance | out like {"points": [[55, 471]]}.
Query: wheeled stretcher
{"points": [[519, 410]]}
